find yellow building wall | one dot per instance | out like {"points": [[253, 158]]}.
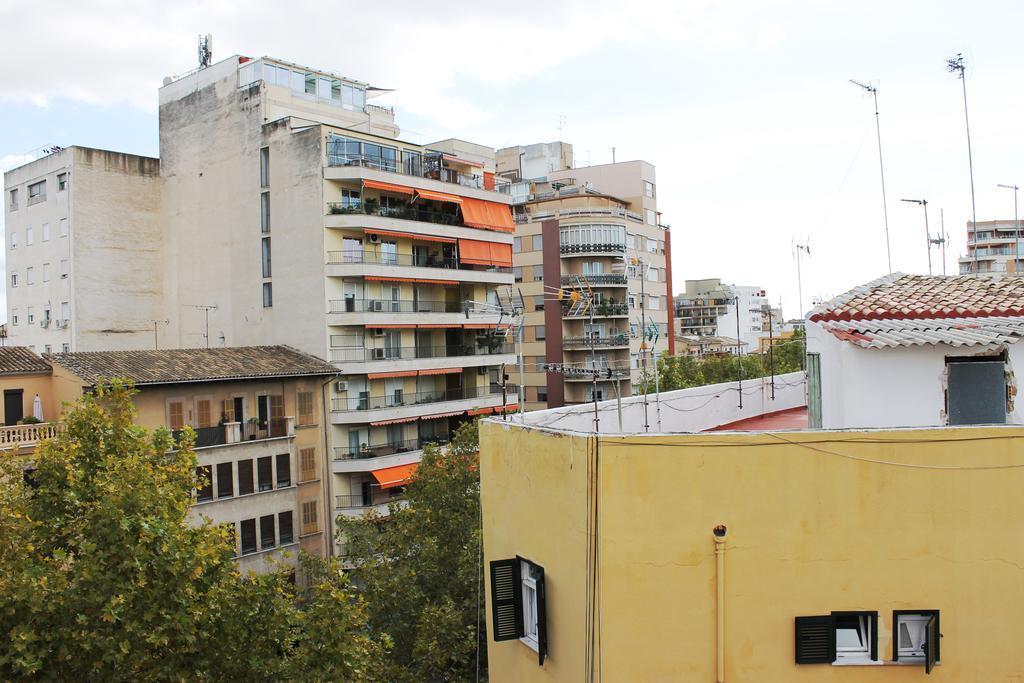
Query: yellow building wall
{"points": [[809, 532], [32, 385]]}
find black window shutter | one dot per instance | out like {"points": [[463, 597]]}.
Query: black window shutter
{"points": [[931, 643], [542, 616], [506, 599], [873, 616], [815, 640]]}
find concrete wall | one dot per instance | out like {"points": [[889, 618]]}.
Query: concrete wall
{"points": [[809, 532], [897, 387]]}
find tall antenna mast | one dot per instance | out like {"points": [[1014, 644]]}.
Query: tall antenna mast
{"points": [[956, 65], [806, 248], [873, 91], [927, 233], [205, 50]]}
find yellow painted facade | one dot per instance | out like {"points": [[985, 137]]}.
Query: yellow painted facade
{"points": [[813, 527]]}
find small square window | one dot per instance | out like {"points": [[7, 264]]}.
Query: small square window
{"points": [[540, 333], [13, 203], [517, 272], [65, 348], [839, 638], [517, 245], [63, 227], [519, 604], [14, 316], [62, 182], [916, 636]]}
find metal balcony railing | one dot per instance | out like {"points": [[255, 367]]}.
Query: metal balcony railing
{"points": [[377, 450], [220, 435], [415, 165], [403, 211], [585, 342], [353, 305], [608, 279], [593, 248], [600, 311], [384, 259], [346, 501], [398, 399], [359, 354]]}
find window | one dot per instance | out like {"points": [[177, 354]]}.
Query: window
{"points": [[305, 401], [267, 535], [652, 302], [538, 302], [350, 199], [204, 413], [14, 279], [204, 483], [517, 272], [840, 637], [976, 392], [517, 245], [232, 536], [46, 232], [649, 189], [916, 637], [519, 604], [539, 333], [266, 257], [14, 316], [538, 273], [265, 472], [542, 394], [538, 242], [37, 192], [248, 536], [62, 182], [225, 484], [14, 200], [30, 277], [632, 301], [46, 272], [63, 227], [309, 520], [28, 236], [245, 477], [176, 415], [268, 295], [63, 268], [31, 316], [653, 275], [265, 212], [284, 527], [649, 214], [284, 470], [65, 348], [47, 348], [14, 240], [264, 167], [65, 311], [652, 246], [307, 464]]}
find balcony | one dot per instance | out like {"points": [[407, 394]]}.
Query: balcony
{"points": [[591, 248], [357, 505], [25, 436], [608, 310], [353, 305], [239, 432], [357, 263], [369, 409], [596, 280], [586, 343], [359, 354], [405, 212], [429, 166], [369, 452]]}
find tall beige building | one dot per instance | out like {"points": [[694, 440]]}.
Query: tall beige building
{"points": [[287, 210], [596, 228]]}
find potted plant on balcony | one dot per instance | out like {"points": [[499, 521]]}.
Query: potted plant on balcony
{"points": [[254, 423], [29, 420], [370, 206]]}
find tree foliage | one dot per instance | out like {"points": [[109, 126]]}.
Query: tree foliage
{"points": [[420, 569], [104, 578]]}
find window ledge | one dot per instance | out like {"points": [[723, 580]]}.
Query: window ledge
{"points": [[858, 662], [311, 533], [530, 643]]}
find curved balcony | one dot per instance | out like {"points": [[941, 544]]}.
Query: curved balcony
{"points": [[591, 249]]}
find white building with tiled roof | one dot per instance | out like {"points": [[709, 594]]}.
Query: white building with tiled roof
{"points": [[917, 351]]}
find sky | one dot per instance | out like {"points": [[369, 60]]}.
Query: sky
{"points": [[745, 107]]}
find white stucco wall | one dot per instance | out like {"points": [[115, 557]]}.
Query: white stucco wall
{"points": [[893, 387]]}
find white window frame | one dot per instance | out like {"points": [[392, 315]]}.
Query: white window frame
{"points": [[912, 654], [861, 653], [46, 232], [14, 316], [63, 227], [530, 636]]}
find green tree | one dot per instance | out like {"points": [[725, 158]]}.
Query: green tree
{"points": [[790, 353], [104, 578], [420, 569]]}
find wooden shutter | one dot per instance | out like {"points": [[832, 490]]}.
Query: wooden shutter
{"points": [[815, 640], [307, 464], [309, 520], [227, 410], [506, 599], [931, 643], [204, 412], [177, 414], [542, 615]]}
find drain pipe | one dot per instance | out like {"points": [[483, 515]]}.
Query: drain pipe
{"points": [[719, 532]]}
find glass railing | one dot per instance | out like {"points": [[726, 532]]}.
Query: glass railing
{"points": [[365, 451], [427, 261], [599, 310], [339, 154], [403, 211]]}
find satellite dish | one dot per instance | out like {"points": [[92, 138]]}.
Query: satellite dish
{"points": [[168, 80]]}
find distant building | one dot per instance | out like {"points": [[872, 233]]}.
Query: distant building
{"points": [[917, 351], [709, 308], [594, 228], [994, 247], [708, 346]]}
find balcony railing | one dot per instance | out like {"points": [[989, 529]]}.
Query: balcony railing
{"points": [[378, 450], [609, 279], [592, 248], [383, 259], [353, 305], [346, 501], [235, 432], [600, 311], [359, 354], [415, 166], [28, 435], [403, 211], [400, 398], [596, 342]]}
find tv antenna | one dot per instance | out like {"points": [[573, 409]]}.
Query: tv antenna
{"points": [[797, 248], [206, 308], [205, 50], [515, 311], [873, 91], [956, 65]]}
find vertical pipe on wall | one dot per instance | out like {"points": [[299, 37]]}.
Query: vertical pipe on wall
{"points": [[719, 532]]}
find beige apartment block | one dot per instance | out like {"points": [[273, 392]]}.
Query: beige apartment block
{"points": [[595, 228]]}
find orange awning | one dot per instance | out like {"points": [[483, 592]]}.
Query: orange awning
{"points": [[475, 252], [387, 187], [439, 326], [379, 278], [477, 213], [390, 477], [439, 416], [411, 236], [393, 326], [401, 420], [440, 371], [437, 282], [480, 411], [438, 196], [507, 409], [397, 373]]}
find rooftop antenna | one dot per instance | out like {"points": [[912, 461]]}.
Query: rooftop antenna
{"points": [[156, 342], [1016, 226], [206, 308], [806, 248], [205, 50], [943, 239], [873, 91], [515, 311], [561, 125], [927, 232], [956, 65], [613, 155]]}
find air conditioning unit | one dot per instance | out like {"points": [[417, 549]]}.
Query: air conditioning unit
{"points": [[374, 239], [377, 306], [341, 386], [378, 331], [378, 354]]}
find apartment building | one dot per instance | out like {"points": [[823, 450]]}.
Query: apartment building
{"points": [[68, 217], [291, 212], [710, 308], [994, 247], [595, 230]]}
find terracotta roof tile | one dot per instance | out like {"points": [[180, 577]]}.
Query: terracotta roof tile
{"points": [[21, 360], [167, 366]]}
